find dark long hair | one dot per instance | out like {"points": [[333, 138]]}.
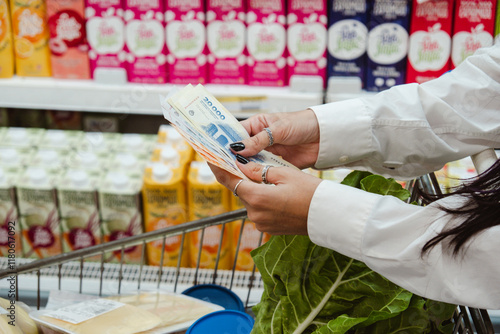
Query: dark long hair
{"points": [[480, 211]]}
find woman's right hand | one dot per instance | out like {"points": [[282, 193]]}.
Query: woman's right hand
{"points": [[295, 134]]}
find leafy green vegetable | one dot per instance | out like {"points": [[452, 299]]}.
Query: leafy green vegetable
{"points": [[312, 289]]}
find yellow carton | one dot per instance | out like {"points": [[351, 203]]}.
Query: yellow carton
{"points": [[6, 46]]}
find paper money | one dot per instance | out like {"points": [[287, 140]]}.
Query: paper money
{"points": [[209, 127]]}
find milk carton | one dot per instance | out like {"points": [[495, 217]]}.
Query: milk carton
{"points": [[307, 39], [22, 137], [347, 35], [101, 144], [226, 32], [430, 40], [387, 44], [266, 43], [13, 159], [6, 42], [145, 41], [10, 227], [68, 39], [473, 28], [186, 41], [60, 139], [106, 37]]}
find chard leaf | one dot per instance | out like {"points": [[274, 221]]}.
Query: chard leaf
{"points": [[380, 185]]}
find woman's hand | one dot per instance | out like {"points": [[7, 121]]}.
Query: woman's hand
{"points": [[296, 137], [281, 208]]}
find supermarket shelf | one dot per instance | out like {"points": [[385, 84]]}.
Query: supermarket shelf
{"points": [[88, 95]]}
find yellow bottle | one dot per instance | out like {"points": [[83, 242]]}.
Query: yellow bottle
{"points": [[6, 46], [31, 38], [207, 198], [164, 204]]}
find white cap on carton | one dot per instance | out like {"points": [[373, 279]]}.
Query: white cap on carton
{"points": [[118, 180], [205, 174], [47, 157], [78, 177], [169, 155], [9, 156], [17, 134], [55, 137], [37, 175], [161, 173], [132, 141], [126, 160]]}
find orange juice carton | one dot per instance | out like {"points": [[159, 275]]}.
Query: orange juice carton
{"points": [[164, 205], [307, 40], [249, 237], [38, 213], [68, 39], [169, 136], [31, 38], [60, 139], [206, 198], [145, 41], [78, 209], [22, 137], [429, 50], [347, 34], [177, 156], [6, 42], [186, 41], [226, 33], [266, 43], [473, 28], [120, 213], [106, 39], [387, 46], [10, 227]]}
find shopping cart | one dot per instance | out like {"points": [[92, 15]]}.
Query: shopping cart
{"points": [[74, 272]]}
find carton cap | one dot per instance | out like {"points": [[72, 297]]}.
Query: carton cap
{"points": [[205, 174], [161, 173], [88, 159], [174, 137], [9, 155], [118, 180], [47, 157], [17, 134], [55, 136], [37, 175], [169, 155], [126, 160], [132, 140], [79, 178]]}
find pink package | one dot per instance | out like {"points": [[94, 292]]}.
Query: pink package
{"points": [[266, 43], [307, 38], [145, 41], [186, 41], [105, 34], [226, 32], [473, 27]]}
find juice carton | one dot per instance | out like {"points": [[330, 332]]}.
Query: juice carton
{"points": [[106, 37], [10, 227], [387, 44], [68, 39], [6, 42], [22, 137], [165, 204], [207, 197], [430, 40], [120, 213], [226, 33], [145, 41], [473, 28], [307, 39], [250, 238], [347, 35], [31, 38], [266, 43], [38, 213], [186, 41], [80, 225]]}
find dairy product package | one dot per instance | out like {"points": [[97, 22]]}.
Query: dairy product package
{"points": [[387, 44], [266, 43], [145, 41], [22, 137], [60, 139], [347, 35], [120, 213], [101, 144], [186, 41], [473, 28], [91, 163], [106, 37], [165, 204], [68, 39], [429, 48], [51, 160], [226, 33], [38, 213], [15, 158], [207, 198], [10, 227], [307, 39], [6, 42], [31, 38], [134, 142], [78, 208], [130, 163]]}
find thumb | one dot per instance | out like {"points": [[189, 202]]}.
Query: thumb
{"points": [[261, 173], [253, 145]]}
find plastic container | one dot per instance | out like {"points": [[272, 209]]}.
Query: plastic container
{"points": [[227, 322], [216, 294]]}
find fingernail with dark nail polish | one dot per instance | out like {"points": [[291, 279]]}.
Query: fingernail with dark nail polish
{"points": [[242, 159], [238, 146]]}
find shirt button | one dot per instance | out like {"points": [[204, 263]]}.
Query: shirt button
{"points": [[343, 158]]}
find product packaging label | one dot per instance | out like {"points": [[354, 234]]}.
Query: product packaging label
{"points": [[266, 43], [6, 42], [186, 41], [347, 36], [226, 35], [387, 44], [430, 40], [10, 227]]}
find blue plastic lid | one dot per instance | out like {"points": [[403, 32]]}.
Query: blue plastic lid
{"points": [[216, 294], [225, 321]]}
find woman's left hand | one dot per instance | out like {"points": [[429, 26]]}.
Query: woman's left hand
{"points": [[280, 207]]}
